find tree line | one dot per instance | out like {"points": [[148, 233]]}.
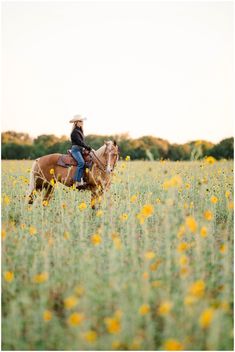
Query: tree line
{"points": [[21, 146]]}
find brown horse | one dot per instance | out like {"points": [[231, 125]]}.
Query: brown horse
{"points": [[45, 173]]}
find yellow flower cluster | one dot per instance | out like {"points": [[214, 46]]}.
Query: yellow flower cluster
{"points": [[96, 239], [175, 181], [76, 319], [8, 276], [146, 211], [164, 308], [113, 324], [144, 309], [70, 302], [40, 278]]}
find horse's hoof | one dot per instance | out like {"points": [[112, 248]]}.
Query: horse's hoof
{"points": [[30, 200]]}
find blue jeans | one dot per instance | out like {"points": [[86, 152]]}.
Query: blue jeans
{"points": [[81, 163]]}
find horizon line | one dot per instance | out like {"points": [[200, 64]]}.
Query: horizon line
{"points": [[121, 134]]}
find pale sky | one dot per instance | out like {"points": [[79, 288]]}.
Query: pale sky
{"points": [[163, 69]]}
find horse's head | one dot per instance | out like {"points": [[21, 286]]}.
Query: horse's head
{"points": [[111, 154]]}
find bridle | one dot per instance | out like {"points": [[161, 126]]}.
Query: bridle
{"points": [[103, 167], [100, 163]]}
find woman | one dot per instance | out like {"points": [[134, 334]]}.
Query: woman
{"points": [[78, 143]]}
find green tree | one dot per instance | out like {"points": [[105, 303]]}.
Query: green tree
{"points": [[223, 150]]}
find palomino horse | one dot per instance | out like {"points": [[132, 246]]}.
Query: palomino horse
{"points": [[45, 173]]}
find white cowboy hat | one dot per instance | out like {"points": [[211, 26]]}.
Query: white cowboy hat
{"points": [[77, 118]]}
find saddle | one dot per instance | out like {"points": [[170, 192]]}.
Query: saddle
{"points": [[67, 160]]}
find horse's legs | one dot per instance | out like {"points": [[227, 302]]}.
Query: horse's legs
{"points": [[32, 190], [48, 194], [95, 195]]}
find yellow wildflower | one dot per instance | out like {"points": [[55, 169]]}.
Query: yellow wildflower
{"points": [[47, 315], [147, 210], [181, 231], [8, 276], [40, 278], [66, 235], [158, 200], [214, 199], [173, 345], [145, 275], [82, 206], [206, 318], [191, 224], [32, 230], [99, 213], [141, 218], [197, 289], [4, 234], [164, 308], [183, 260], [6, 200], [183, 246], [230, 205], [133, 198], [113, 325], [227, 194], [117, 243], [154, 266], [52, 171], [208, 215], [187, 185], [96, 239], [144, 309], [76, 319], [210, 160], [52, 182], [128, 158], [123, 217], [149, 255], [184, 271], [203, 231], [70, 302], [45, 203], [223, 248], [90, 336], [175, 181]]}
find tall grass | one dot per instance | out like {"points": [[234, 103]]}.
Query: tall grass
{"points": [[150, 270]]}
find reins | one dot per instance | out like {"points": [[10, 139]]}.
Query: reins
{"points": [[103, 166]]}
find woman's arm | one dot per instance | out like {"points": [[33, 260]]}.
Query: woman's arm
{"points": [[77, 138]]}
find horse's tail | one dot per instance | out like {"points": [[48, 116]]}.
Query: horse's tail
{"points": [[32, 181]]}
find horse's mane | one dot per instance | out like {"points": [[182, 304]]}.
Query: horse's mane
{"points": [[101, 150]]}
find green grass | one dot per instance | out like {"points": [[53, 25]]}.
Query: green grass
{"points": [[115, 278]]}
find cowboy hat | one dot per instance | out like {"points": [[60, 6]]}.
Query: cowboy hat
{"points": [[77, 118]]}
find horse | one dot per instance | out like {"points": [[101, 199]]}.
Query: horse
{"points": [[45, 173]]}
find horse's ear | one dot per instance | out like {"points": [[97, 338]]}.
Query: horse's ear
{"points": [[114, 143]]}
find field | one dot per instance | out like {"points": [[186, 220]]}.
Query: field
{"points": [[151, 269]]}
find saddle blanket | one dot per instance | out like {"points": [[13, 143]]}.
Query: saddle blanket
{"points": [[67, 160]]}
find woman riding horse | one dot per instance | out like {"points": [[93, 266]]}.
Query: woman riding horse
{"points": [[46, 171], [78, 142]]}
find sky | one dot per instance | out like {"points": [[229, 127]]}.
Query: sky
{"points": [[144, 68]]}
